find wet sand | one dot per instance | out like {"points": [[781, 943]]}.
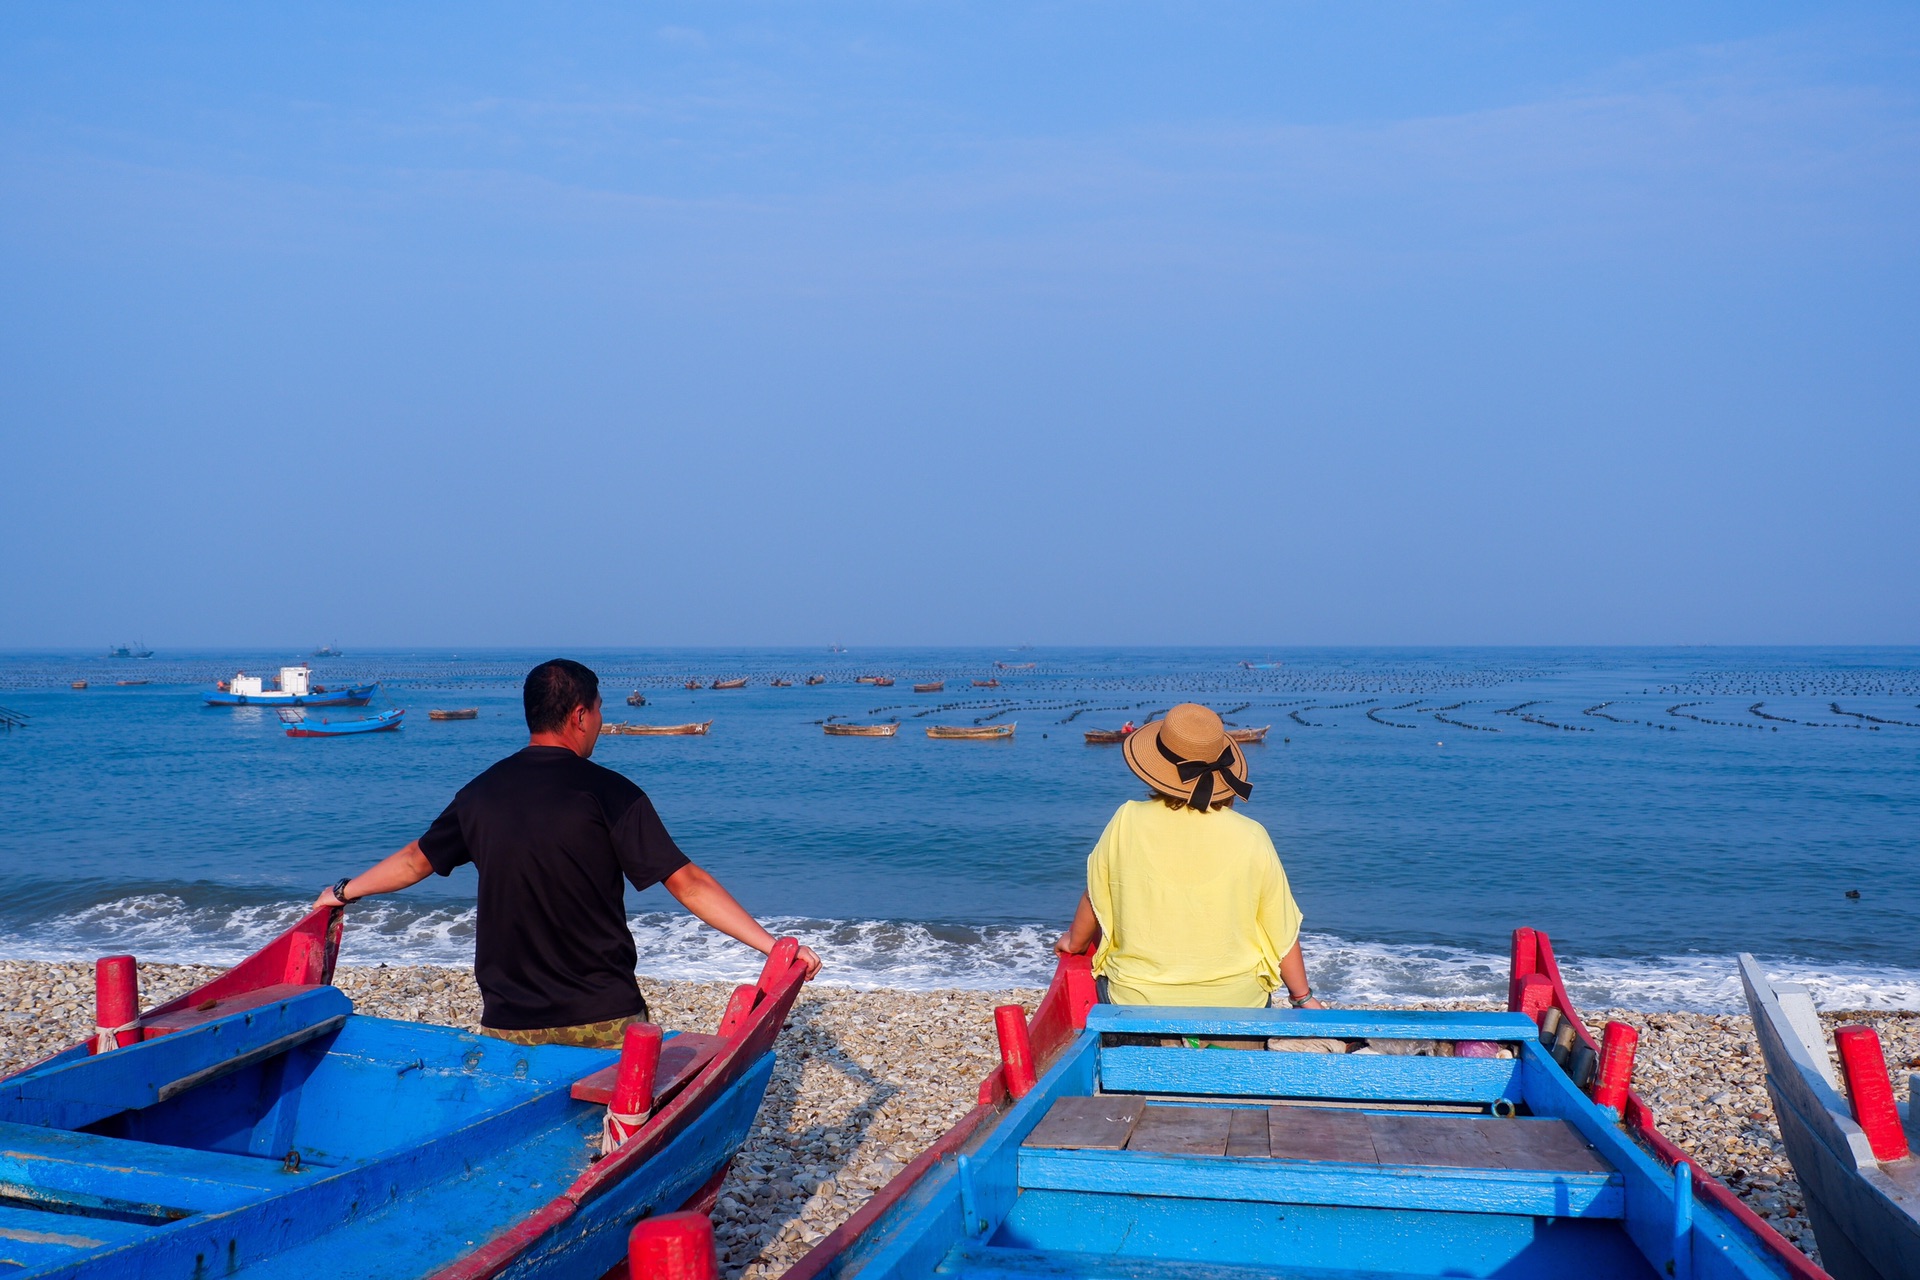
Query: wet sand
{"points": [[866, 1079]]}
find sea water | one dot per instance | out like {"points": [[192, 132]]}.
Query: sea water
{"points": [[1656, 811]]}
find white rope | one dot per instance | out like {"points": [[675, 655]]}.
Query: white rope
{"points": [[107, 1038], [611, 1138]]}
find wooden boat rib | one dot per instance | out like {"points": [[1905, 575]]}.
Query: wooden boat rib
{"points": [[1862, 1185], [931, 686], [261, 1121], [739, 683], [1249, 735], [1055, 1180], [623, 729], [861, 730], [456, 713], [970, 730]]}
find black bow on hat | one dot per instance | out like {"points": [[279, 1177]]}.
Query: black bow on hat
{"points": [[1202, 797]]}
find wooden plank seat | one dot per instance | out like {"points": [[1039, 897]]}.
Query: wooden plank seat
{"points": [[1317, 1155], [61, 1172], [681, 1057]]}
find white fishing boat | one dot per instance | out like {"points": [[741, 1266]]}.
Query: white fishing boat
{"points": [[295, 689]]}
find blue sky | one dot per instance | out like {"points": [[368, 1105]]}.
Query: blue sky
{"points": [[922, 323]]}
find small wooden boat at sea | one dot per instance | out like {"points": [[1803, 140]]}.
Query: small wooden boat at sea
{"points": [[861, 730], [623, 729], [932, 686], [816, 679], [79, 684], [261, 1122], [128, 684], [883, 682], [970, 730], [986, 684], [379, 722], [1249, 735], [778, 683], [1853, 1154], [694, 684], [1103, 736], [1108, 1146], [294, 690], [1016, 666], [456, 713], [740, 683], [636, 699]]}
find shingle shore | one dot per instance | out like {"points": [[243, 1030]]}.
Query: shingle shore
{"points": [[866, 1079]]}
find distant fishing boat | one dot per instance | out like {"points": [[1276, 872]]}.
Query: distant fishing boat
{"points": [[1249, 735], [741, 683], [458, 713], [932, 686], [816, 679], [836, 648], [1260, 666], [79, 684], [970, 731], [778, 683], [883, 682], [866, 679], [328, 651], [636, 699], [986, 684], [294, 690], [124, 684], [861, 730], [379, 722], [1016, 666], [1098, 736], [693, 684], [135, 650], [623, 729]]}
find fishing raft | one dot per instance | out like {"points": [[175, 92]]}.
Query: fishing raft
{"points": [[1119, 1143], [260, 1127]]}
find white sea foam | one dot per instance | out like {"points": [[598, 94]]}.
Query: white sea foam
{"points": [[916, 956]]}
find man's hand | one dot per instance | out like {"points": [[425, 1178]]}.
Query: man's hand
{"points": [[806, 956], [326, 899]]}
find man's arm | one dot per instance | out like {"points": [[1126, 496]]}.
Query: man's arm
{"points": [[400, 870], [709, 900]]}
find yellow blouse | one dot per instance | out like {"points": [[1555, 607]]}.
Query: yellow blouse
{"points": [[1194, 907]]}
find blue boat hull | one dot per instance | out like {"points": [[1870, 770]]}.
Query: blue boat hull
{"points": [[353, 696], [381, 723]]}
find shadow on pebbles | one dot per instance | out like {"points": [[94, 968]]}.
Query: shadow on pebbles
{"points": [[868, 1079]]}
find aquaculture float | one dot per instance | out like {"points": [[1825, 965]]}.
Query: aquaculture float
{"points": [[1120, 1143], [1853, 1151], [295, 689], [379, 722], [260, 1127]]}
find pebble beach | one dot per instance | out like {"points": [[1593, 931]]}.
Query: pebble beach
{"points": [[867, 1079]]}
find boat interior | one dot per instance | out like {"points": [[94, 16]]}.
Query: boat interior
{"points": [[1176, 1145], [234, 1131]]}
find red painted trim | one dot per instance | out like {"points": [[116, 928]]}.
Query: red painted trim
{"points": [[1640, 1124]]}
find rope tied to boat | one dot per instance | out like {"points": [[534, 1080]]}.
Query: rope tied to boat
{"points": [[106, 1039], [1206, 771], [616, 1127]]}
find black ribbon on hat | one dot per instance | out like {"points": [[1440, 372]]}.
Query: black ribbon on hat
{"points": [[1202, 797]]}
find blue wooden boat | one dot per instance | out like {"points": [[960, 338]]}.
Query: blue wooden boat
{"points": [[276, 1132], [379, 722], [1154, 1148]]}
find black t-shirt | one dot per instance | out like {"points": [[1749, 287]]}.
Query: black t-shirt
{"points": [[551, 835]]}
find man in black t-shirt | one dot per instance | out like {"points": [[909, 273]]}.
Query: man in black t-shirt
{"points": [[553, 836]]}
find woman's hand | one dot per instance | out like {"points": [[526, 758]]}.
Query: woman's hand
{"points": [[1064, 945]]}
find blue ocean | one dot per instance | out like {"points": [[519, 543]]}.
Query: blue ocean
{"points": [[1655, 810]]}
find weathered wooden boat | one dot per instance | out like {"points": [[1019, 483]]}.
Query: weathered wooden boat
{"points": [[986, 684], [1101, 736], [861, 730], [883, 682], [623, 729], [276, 1132], [694, 684], [636, 699], [79, 684], [1016, 666], [128, 684], [455, 713], [866, 679], [740, 683], [970, 730], [1249, 735], [1853, 1154], [778, 683], [816, 679], [1260, 666], [931, 686], [1106, 1147], [294, 690], [379, 722]]}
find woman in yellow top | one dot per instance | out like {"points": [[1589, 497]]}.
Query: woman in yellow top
{"points": [[1186, 898]]}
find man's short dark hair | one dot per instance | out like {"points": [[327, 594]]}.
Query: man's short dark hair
{"points": [[555, 690]]}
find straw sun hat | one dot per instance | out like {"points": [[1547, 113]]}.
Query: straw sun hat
{"points": [[1188, 756]]}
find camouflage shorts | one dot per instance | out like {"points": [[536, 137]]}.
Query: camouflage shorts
{"points": [[588, 1035]]}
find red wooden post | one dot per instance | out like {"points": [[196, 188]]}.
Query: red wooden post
{"points": [[1016, 1050], [116, 1002], [673, 1246], [1532, 995], [1081, 993], [739, 1005], [632, 1085], [1617, 1045], [1524, 959], [1870, 1091]]}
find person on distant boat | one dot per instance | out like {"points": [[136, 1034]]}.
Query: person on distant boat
{"points": [[553, 836], [1186, 900]]}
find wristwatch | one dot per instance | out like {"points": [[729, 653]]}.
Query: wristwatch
{"points": [[1294, 1000], [339, 889]]}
